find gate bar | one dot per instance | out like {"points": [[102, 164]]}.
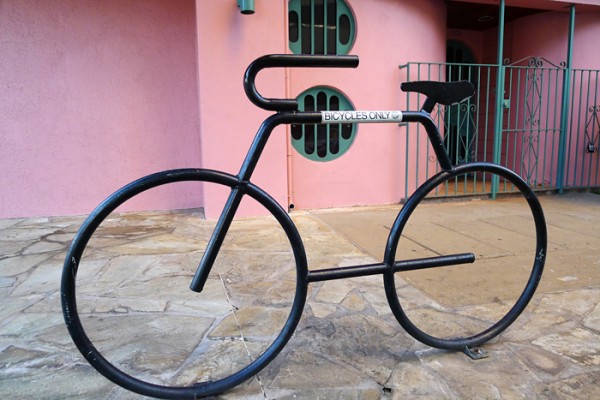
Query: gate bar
{"points": [[499, 98], [564, 117]]}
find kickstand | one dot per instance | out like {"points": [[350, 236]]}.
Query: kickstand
{"points": [[475, 353]]}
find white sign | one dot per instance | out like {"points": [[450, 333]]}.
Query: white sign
{"points": [[337, 117]]}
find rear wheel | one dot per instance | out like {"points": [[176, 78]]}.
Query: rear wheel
{"points": [[466, 305], [125, 293]]}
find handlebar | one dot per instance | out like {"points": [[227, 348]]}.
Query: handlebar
{"points": [[289, 60]]}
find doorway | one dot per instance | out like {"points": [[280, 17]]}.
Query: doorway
{"points": [[459, 120]]}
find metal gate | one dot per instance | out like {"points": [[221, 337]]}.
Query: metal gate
{"points": [[533, 126], [581, 155]]}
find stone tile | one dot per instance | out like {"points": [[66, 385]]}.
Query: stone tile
{"points": [[45, 278], [584, 386], [11, 248], [22, 233], [70, 382], [410, 379], [7, 223], [579, 345], [531, 325], [321, 310], [12, 266], [592, 320], [577, 302], [152, 345], [334, 291], [354, 302], [159, 244], [7, 282], [546, 365], [349, 341], [293, 374], [11, 306], [44, 247], [29, 326], [252, 321], [501, 375], [376, 299]]}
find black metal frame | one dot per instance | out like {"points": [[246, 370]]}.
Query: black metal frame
{"points": [[240, 186], [437, 92]]}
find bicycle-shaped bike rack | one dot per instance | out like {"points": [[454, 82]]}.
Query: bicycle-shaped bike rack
{"points": [[239, 186]]}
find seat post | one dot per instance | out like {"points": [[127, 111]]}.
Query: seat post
{"points": [[428, 105]]}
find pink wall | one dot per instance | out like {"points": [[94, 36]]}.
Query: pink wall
{"points": [[227, 42], [587, 32], [542, 34], [98, 93], [94, 95], [545, 34]]}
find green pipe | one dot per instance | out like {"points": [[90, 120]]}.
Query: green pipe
{"points": [[499, 98], [564, 119]]}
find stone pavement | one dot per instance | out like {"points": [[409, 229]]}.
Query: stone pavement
{"points": [[134, 302]]}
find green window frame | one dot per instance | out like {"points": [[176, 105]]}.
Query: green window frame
{"points": [[320, 27], [323, 142]]}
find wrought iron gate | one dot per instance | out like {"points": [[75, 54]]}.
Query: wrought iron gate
{"points": [[582, 158], [529, 141], [532, 120]]}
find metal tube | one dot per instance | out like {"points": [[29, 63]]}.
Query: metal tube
{"points": [[375, 269], [216, 240], [407, 160], [434, 262], [437, 142], [560, 179]]}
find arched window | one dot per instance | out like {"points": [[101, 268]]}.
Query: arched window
{"points": [[323, 142], [320, 27]]}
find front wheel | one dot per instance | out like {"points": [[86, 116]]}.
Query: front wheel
{"points": [[126, 276], [455, 307]]}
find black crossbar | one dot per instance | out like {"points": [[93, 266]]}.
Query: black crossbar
{"points": [[374, 269]]}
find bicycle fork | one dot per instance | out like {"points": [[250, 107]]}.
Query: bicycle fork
{"points": [[216, 240]]}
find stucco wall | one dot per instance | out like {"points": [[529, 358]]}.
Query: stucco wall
{"points": [[546, 35], [94, 94], [587, 32], [227, 42], [98, 93]]}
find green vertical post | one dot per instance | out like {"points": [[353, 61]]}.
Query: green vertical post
{"points": [[499, 98], [564, 116]]}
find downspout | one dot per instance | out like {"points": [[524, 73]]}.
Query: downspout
{"points": [[499, 99], [288, 141], [564, 117]]}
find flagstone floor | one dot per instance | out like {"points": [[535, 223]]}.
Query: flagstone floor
{"points": [[134, 302]]}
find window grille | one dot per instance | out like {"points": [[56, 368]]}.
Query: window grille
{"points": [[320, 27], [323, 142]]}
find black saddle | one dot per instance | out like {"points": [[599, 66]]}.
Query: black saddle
{"points": [[444, 93]]}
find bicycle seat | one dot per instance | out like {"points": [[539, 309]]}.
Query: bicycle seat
{"points": [[444, 93]]}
